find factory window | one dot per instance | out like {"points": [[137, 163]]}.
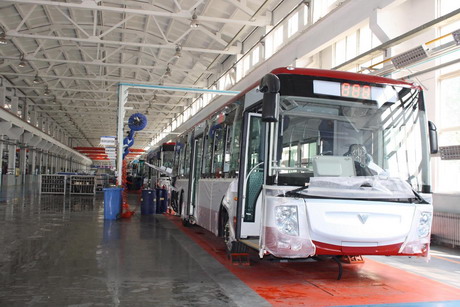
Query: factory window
{"points": [[306, 15], [246, 64], [278, 38], [355, 44], [293, 24], [255, 55], [269, 50], [449, 133], [322, 7]]}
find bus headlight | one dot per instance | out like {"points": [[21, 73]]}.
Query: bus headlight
{"points": [[287, 220], [424, 225]]}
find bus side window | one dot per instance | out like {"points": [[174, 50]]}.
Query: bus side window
{"points": [[228, 146], [218, 147], [188, 153], [236, 143], [206, 167]]}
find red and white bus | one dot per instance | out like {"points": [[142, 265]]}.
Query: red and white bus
{"points": [[312, 162]]}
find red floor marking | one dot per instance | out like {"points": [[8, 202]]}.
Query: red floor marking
{"points": [[315, 284]]}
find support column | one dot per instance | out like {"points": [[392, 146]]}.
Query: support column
{"points": [[58, 163], [33, 118], [14, 105], [11, 159], [39, 162], [40, 122], [2, 95], [23, 162], [50, 162], [25, 111], [33, 162], [1, 158], [44, 162]]}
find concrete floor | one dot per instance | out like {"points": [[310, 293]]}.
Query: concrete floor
{"points": [[59, 251]]}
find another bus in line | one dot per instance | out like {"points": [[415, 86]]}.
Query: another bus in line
{"points": [[312, 162]]}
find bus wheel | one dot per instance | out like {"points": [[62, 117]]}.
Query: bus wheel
{"points": [[186, 223], [226, 235]]}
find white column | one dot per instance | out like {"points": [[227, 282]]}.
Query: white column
{"points": [[23, 162], [25, 110], [50, 162], [33, 160], [1, 159], [2, 96], [44, 162], [40, 161], [33, 118], [11, 159], [40, 122], [14, 105]]}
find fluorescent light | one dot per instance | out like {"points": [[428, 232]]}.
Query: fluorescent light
{"points": [[178, 53], [22, 62], [3, 40], [36, 79], [194, 22]]}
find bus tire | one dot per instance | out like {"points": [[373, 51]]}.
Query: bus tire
{"points": [[186, 223]]}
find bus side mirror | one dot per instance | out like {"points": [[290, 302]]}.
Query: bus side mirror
{"points": [[433, 135], [270, 86]]}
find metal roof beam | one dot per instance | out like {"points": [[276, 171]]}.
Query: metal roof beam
{"points": [[83, 78], [183, 14], [101, 63], [232, 50], [146, 102]]}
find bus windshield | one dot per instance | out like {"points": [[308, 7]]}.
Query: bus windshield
{"points": [[337, 137]]}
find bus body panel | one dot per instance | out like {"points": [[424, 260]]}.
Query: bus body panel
{"points": [[210, 194], [342, 227], [363, 223]]}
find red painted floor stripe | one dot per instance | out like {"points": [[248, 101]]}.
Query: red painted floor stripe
{"points": [[315, 284]]}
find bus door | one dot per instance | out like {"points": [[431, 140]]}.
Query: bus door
{"points": [[251, 176], [195, 171]]}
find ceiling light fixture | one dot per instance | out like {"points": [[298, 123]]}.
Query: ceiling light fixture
{"points": [[194, 22], [3, 40], [168, 71], [456, 36], [178, 53], [36, 79], [22, 62]]}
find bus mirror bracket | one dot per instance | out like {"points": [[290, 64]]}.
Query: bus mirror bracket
{"points": [[270, 87], [433, 136]]}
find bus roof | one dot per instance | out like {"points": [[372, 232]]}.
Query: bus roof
{"points": [[336, 74]]}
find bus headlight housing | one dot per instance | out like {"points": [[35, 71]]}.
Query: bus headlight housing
{"points": [[287, 220], [424, 224]]}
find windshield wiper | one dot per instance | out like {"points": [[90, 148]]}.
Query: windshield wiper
{"points": [[295, 192], [420, 199]]}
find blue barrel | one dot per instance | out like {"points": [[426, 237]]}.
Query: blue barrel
{"points": [[162, 198], [112, 203], [148, 202]]}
